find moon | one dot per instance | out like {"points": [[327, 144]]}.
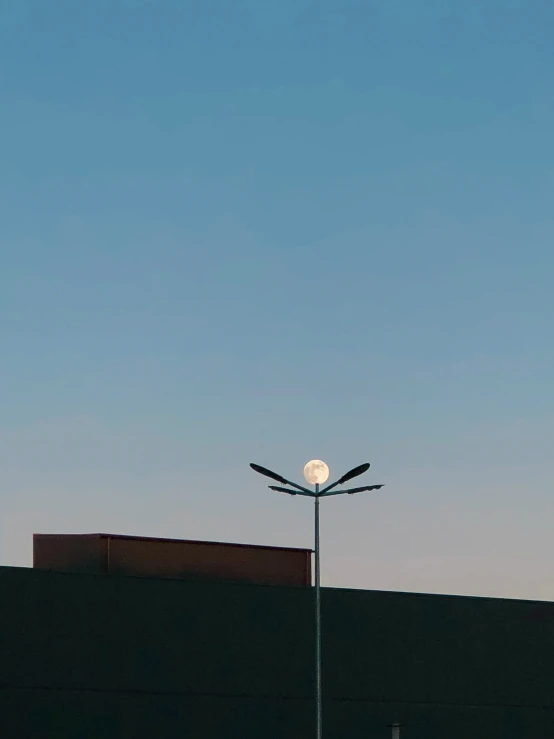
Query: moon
{"points": [[316, 472]]}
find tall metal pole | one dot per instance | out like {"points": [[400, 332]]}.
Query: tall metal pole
{"points": [[309, 476], [318, 699]]}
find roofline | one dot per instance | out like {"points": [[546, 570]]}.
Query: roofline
{"points": [[176, 541], [240, 584], [464, 596]]}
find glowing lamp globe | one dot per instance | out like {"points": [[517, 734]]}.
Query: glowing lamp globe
{"points": [[316, 472]]}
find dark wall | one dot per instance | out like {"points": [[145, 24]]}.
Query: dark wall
{"points": [[104, 554], [104, 656], [440, 648]]}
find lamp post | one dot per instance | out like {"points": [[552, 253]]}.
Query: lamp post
{"points": [[316, 473]]}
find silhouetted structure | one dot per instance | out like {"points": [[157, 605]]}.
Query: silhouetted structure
{"points": [[111, 554], [85, 656]]}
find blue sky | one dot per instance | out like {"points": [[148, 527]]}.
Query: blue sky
{"points": [[258, 231]]}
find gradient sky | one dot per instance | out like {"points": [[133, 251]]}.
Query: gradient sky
{"points": [[249, 230]]}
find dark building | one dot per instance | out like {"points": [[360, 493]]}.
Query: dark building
{"points": [[111, 554], [90, 655]]}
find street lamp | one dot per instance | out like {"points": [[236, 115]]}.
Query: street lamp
{"points": [[316, 473]]}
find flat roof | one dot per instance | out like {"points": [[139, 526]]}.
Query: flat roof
{"points": [[346, 592], [178, 541]]}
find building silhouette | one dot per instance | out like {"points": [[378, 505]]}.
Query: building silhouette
{"points": [[159, 639]]}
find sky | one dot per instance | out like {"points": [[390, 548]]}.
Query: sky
{"points": [[256, 231]]}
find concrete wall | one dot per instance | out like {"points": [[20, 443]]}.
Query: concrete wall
{"points": [[107, 656]]}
